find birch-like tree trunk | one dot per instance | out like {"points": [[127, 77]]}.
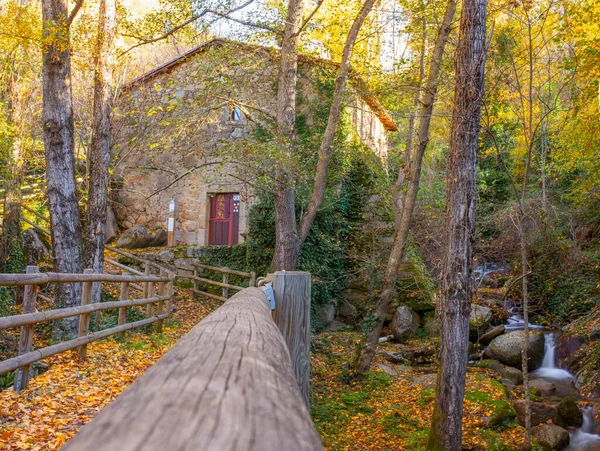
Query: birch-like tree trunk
{"points": [[100, 145], [335, 111], [59, 152], [410, 197], [455, 288]]}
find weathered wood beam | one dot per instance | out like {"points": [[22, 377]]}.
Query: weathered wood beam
{"points": [[39, 354], [215, 283], [207, 294], [227, 385], [50, 277], [25, 319], [223, 270], [292, 316]]}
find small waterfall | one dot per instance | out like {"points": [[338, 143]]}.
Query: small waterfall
{"points": [[583, 439], [549, 370], [516, 321]]}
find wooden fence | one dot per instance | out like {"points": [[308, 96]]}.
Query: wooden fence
{"points": [[228, 384], [224, 285], [160, 291]]}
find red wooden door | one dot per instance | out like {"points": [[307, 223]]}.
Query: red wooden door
{"points": [[224, 219]]}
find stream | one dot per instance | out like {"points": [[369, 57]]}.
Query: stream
{"points": [[584, 438]]}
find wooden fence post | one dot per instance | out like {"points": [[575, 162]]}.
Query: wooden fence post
{"points": [[123, 310], [159, 304], [224, 290], [151, 294], [146, 273], [252, 282], [84, 318], [171, 223], [171, 296], [26, 340], [292, 316], [194, 281]]}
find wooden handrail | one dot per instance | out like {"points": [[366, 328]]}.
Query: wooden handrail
{"points": [[32, 211], [228, 384], [35, 226], [138, 259], [25, 319], [34, 356], [55, 277], [223, 270], [124, 267], [214, 282]]}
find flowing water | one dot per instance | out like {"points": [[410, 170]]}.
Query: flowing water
{"points": [[549, 370], [582, 439]]}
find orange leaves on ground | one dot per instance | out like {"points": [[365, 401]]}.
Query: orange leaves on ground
{"points": [[392, 412], [71, 392]]}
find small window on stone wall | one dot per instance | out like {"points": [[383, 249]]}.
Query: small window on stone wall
{"points": [[236, 114]]}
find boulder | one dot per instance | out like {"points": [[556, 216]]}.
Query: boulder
{"points": [[405, 323], [507, 349], [347, 311], [159, 239], [551, 437], [514, 375], [490, 334], [426, 381], [33, 247], [540, 412], [569, 413], [111, 227], [479, 320], [491, 364], [545, 387], [503, 414], [135, 238], [387, 369], [325, 315]]}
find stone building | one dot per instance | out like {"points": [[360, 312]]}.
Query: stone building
{"points": [[187, 130]]}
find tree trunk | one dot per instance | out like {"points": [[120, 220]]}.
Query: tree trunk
{"points": [[412, 130], [335, 111], [455, 288], [60, 165], [100, 145], [410, 197], [286, 230]]}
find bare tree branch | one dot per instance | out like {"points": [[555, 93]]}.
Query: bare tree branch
{"points": [[76, 9]]}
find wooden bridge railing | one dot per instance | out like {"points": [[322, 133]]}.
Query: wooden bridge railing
{"points": [[161, 292], [229, 384], [225, 285]]}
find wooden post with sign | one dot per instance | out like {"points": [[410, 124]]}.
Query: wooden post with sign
{"points": [[171, 223], [292, 316]]}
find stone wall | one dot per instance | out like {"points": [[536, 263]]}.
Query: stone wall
{"points": [[179, 122]]}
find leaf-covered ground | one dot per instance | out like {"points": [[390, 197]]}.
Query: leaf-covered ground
{"points": [[393, 412], [67, 396], [381, 412]]}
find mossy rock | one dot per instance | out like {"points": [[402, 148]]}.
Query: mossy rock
{"points": [[569, 413], [507, 349], [551, 437], [504, 415], [491, 364]]}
